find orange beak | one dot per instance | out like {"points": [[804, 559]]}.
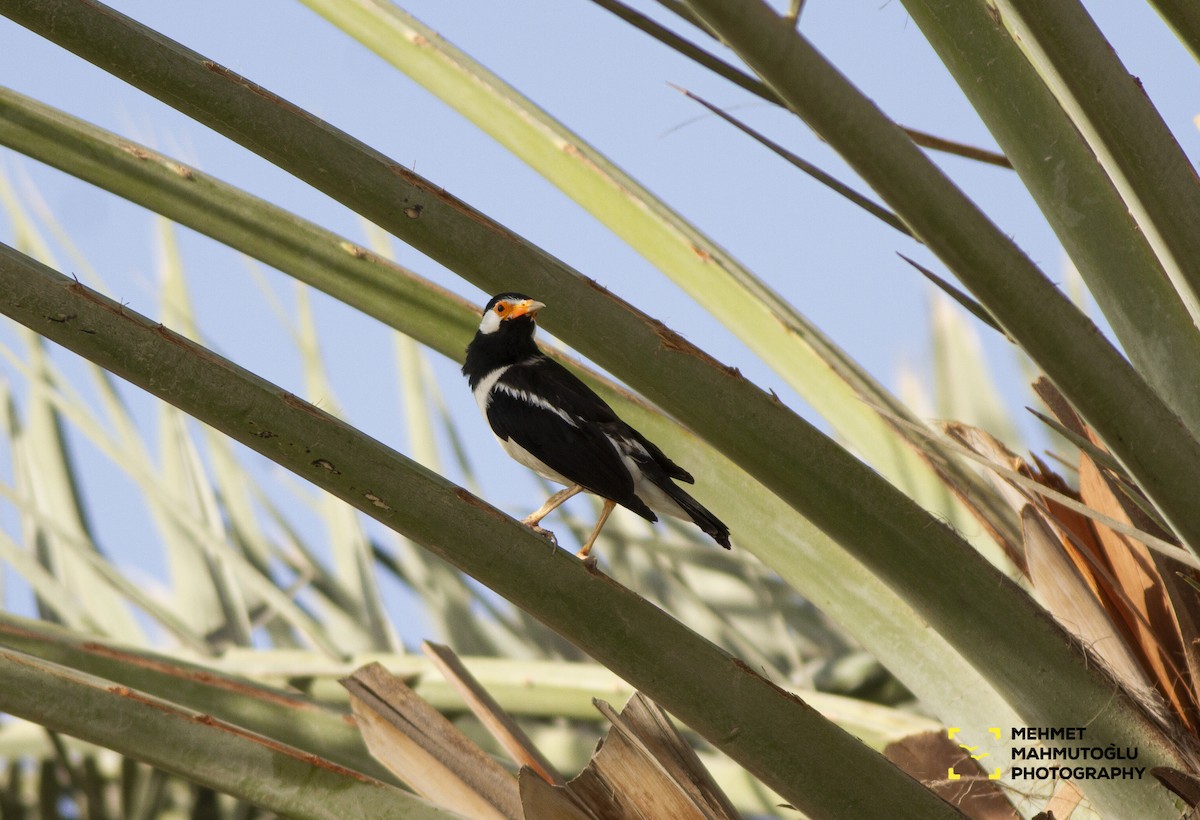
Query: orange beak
{"points": [[525, 306]]}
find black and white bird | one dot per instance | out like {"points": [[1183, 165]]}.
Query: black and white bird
{"points": [[553, 423]]}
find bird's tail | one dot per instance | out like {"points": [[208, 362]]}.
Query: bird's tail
{"points": [[696, 511]]}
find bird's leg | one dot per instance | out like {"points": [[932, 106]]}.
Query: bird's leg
{"points": [[552, 503], [585, 553]]}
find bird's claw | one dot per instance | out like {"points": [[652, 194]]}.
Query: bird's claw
{"points": [[588, 560], [549, 536]]}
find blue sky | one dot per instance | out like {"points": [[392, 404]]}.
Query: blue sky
{"points": [[606, 82]]}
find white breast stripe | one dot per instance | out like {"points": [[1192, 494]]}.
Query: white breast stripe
{"points": [[535, 400], [483, 390]]}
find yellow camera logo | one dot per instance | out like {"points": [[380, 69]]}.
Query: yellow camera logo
{"points": [[970, 750]]}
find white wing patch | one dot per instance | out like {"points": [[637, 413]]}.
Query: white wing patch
{"points": [[643, 488], [534, 400]]}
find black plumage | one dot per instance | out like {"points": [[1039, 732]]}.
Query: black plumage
{"points": [[553, 423]]}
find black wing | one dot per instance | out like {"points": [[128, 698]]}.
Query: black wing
{"points": [[563, 389], [535, 406]]}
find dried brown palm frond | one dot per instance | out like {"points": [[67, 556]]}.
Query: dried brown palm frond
{"points": [[1089, 561], [642, 768]]}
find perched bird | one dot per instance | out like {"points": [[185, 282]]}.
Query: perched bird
{"points": [[553, 423]]}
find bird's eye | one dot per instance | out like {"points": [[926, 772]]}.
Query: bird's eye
{"points": [[500, 308]]}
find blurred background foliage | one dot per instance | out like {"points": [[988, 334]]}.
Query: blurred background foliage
{"points": [[147, 553]]}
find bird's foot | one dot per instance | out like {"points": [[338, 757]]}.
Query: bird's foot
{"points": [[549, 536], [587, 558]]}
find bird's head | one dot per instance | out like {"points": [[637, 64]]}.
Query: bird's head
{"points": [[505, 335], [509, 312]]}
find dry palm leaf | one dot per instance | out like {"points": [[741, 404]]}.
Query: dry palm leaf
{"points": [[508, 734], [642, 769], [1077, 526], [1090, 445], [1096, 574], [1161, 614], [1049, 487], [1184, 784], [427, 751], [1064, 593], [1142, 577], [645, 745], [1064, 801], [931, 756], [540, 800]]}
